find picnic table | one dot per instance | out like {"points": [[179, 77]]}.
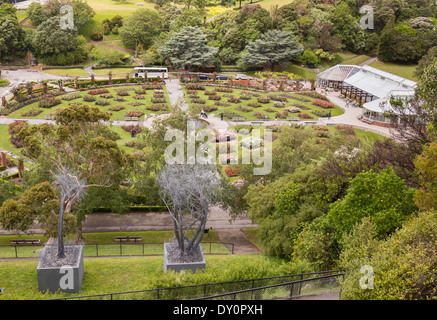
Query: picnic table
{"points": [[25, 241], [128, 238]]}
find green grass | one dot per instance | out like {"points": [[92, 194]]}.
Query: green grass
{"points": [[76, 72], [300, 71], [5, 143], [405, 71], [356, 60], [115, 114], [106, 275]]}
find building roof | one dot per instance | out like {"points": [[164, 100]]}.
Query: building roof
{"points": [[377, 82], [338, 72], [383, 105]]}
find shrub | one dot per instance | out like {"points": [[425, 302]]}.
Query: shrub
{"points": [[72, 96], [292, 109], [214, 97], [232, 171], [198, 101], [32, 113], [88, 98], [131, 127], [96, 36], [254, 105], [234, 100], [244, 109], [134, 113], [49, 102], [260, 115], [262, 99], [102, 103], [345, 129], [116, 108]]}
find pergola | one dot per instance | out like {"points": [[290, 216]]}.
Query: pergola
{"points": [[334, 77]]}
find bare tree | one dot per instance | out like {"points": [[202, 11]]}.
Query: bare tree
{"points": [[72, 190], [188, 191]]}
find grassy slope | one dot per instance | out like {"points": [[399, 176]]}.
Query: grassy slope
{"points": [[107, 275], [405, 71]]}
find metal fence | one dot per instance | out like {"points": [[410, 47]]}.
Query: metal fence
{"points": [[227, 289], [112, 249], [325, 287]]}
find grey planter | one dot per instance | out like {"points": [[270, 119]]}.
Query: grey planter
{"points": [[178, 267], [62, 278]]}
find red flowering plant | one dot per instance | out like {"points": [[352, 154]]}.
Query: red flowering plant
{"points": [[323, 104], [231, 171], [304, 116], [96, 92], [14, 129]]}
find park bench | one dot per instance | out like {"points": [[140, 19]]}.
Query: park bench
{"points": [[128, 238], [257, 122], [238, 119], [293, 118], [27, 241], [308, 123]]}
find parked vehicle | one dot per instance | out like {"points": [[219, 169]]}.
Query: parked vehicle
{"points": [[204, 77], [242, 77], [222, 77]]}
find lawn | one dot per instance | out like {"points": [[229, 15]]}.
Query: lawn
{"points": [[106, 275], [5, 143], [129, 104], [356, 60], [402, 70], [75, 72], [250, 108]]}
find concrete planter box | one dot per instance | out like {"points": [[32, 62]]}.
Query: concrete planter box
{"points": [[178, 267], [65, 278]]}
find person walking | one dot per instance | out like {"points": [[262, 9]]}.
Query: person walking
{"points": [[329, 115], [221, 116]]}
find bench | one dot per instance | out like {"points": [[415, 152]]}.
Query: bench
{"points": [[310, 122], [293, 118], [128, 238], [257, 122], [27, 241]]}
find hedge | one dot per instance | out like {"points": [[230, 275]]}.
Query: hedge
{"points": [[2, 168], [62, 67]]}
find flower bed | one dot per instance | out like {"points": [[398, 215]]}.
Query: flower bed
{"points": [[32, 113], [96, 92], [305, 116], [214, 97], [88, 98], [263, 99], [72, 96], [198, 101], [234, 100], [49, 102], [323, 104], [157, 107], [134, 113], [292, 109], [132, 127], [116, 108]]}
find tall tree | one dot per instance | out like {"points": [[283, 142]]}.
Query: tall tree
{"points": [[80, 156], [273, 48], [187, 49], [140, 27]]}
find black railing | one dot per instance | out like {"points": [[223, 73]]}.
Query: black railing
{"points": [[327, 286], [112, 249], [207, 290]]}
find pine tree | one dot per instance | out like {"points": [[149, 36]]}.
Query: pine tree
{"points": [[273, 48], [187, 49]]}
